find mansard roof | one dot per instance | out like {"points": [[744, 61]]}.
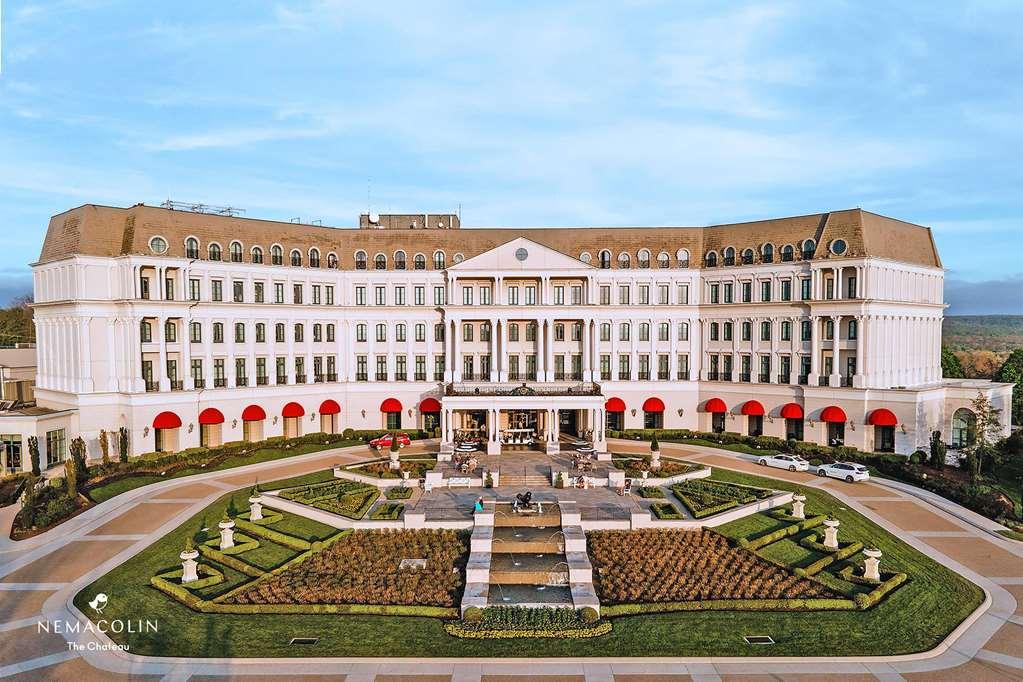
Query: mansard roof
{"points": [[111, 231]]}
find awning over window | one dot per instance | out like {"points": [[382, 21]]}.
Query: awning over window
{"points": [[882, 417], [615, 405], [211, 415], [833, 414], [429, 405], [715, 405], [329, 407], [791, 411], [293, 410], [390, 405], [253, 413], [653, 405], [752, 408], [166, 420]]}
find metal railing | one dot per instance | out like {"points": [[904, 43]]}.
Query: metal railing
{"points": [[583, 388]]}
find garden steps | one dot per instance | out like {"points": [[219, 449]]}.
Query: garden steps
{"points": [[529, 569], [550, 518], [530, 596], [525, 482]]}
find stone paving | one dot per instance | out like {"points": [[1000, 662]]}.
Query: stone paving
{"points": [[989, 648]]}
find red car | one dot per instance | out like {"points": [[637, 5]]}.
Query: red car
{"points": [[384, 441]]}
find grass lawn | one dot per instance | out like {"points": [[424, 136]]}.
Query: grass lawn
{"points": [[734, 447], [916, 617], [105, 492]]}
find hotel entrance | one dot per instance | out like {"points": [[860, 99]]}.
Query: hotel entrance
{"points": [[568, 421], [523, 428]]}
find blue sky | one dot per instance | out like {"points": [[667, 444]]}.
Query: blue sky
{"points": [[524, 113]]}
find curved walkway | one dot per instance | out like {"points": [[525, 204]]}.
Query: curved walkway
{"points": [[39, 578]]}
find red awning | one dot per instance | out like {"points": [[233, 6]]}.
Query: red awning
{"points": [[253, 413], [653, 405], [429, 405], [832, 414], [167, 420], [615, 405], [390, 405], [715, 405], [293, 410], [211, 415], [882, 417], [792, 411], [752, 408], [329, 407]]}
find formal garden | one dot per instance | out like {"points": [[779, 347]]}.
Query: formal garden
{"points": [[85, 484], [829, 579]]}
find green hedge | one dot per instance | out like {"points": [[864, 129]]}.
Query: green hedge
{"points": [[272, 535], [398, 493], [774, 536], [848, 574], [666, 510], [229, 561], [270, 517], [866, 601], [387, 512], [732, 605], [242, 543], [650, 492], [597, 630], [825, 561]]}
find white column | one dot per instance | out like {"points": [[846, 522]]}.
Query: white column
{"points": [[815, 354], [836, 370], [456, 356], [862, 351], [585, 350], [494, 352], [161, 371]]}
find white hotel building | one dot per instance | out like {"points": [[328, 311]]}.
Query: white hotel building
{"points": [[193, 329]]}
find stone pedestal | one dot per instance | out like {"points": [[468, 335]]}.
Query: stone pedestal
{"points": [[226, 534], [255, 509], [395, 464], [655, 460], [798, 506], [189, 565], [831, 533], [872, 564], [493, 447]]}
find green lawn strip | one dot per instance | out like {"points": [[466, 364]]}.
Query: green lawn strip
{"points": [[1011, 534], [734, 447], [894, 626], [123, 485], [302, 527]]}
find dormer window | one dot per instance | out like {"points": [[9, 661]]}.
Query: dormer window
{"points": [[624, 261], [419, 262], [380, 262], [332, 261], [682, 256], [747, 257], [711, 259], [314, 258], [236, 252], [215, 253], [643, 259], [729, 256], [788, 254], [276, 255], [399, 260], [605, 260], [192, 248], [296, 258], [663, 260], [438, 260], [808, 248], [767, 253], [257, 254], [360, 260]]}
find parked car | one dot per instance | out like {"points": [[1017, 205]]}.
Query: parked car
{"points": [[384, 441], [790, 462], [847, 471]]}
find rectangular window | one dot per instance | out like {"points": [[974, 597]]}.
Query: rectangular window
{"points": [[559, 295], [605, 295], [317, 294], [360, 295], [683, 331], [747, 292], [299, 333], [484, 295], [296, 290], [361, 368], [829, 289], [144, 288], [258, 295], [513, 295], [278, 292], [850, 291], [644, 294], [644, 331], [399, 295], [786, 330], [624, 331], [420, 368], [194, 289], [662, 294], [419, 293], [218, 290], [466, 295], [400, 368], [530, 295], [623, 295], [747, 331], [805, 330], [279, 332], [330, 295], [260, 332], [381, 335], [168, 288], [662, 331], [380, 296], [195, 332], [728, 296], [54, 447], [438, 296], [765, 291], [805, 289], [765, 331], [438, 368], [238, 292], [513, 332], [715, 295], [605, 331], [605, 367], [683, 294], [559, 332], [400, 332], [420, 333], [218, 332], [577, 295], [624, 367], [197, 375], [786, 290], [531, 331]]}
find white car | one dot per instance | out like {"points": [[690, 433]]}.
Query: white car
{"points": [[847, 471], [790, 462]]}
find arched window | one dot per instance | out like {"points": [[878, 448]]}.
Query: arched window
{"points": [[236, 252], [682, 256], [853, 330], [419, 262], [360, 260], [729, 255], [314, 258], [192, 248], [663, 259], [380, 262], [399, 260], [624, 260], [711, 259], [257, 254], [438, 260], [643, 259], [788, 254], [276, 255], [808, 247], [747, 257], [296, 258], [605, 260], [215, 253], [767, 253], [964, 429], [332, 260]]}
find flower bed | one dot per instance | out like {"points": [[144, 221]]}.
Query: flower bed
{"points": [[363, 568], [387, 512], [705, 498], [398, 493], [512, 622], [416, 468], [666, 510], [650, 492], [347, 498], [634, 466], [643, 566]]}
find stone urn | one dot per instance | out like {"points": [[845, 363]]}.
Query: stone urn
{"points": [[226, 532], [831, 533], [646, 474], [655, 460], [189, 566], [255, 508], [799, 506], [872, 564]]}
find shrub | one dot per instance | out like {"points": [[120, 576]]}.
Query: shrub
{"points": [[398, 493], [774, 536], [488, 481], [473, 615], [387, 512], [918, 457], [507, 622], [349, 433], [33, 451], [588, 614], [650, 492], [866, 601]]}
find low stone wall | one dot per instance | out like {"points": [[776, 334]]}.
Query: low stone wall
{"points": [[645, 519], [409, 519]]}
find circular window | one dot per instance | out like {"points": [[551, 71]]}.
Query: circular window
{"points": [[838, 247], [158, 245], [585, 257], [521, 254], [459, 258]]}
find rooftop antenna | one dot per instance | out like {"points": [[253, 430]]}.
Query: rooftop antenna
{"points": [[197, 207], [296, 220], [316, 222]]}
